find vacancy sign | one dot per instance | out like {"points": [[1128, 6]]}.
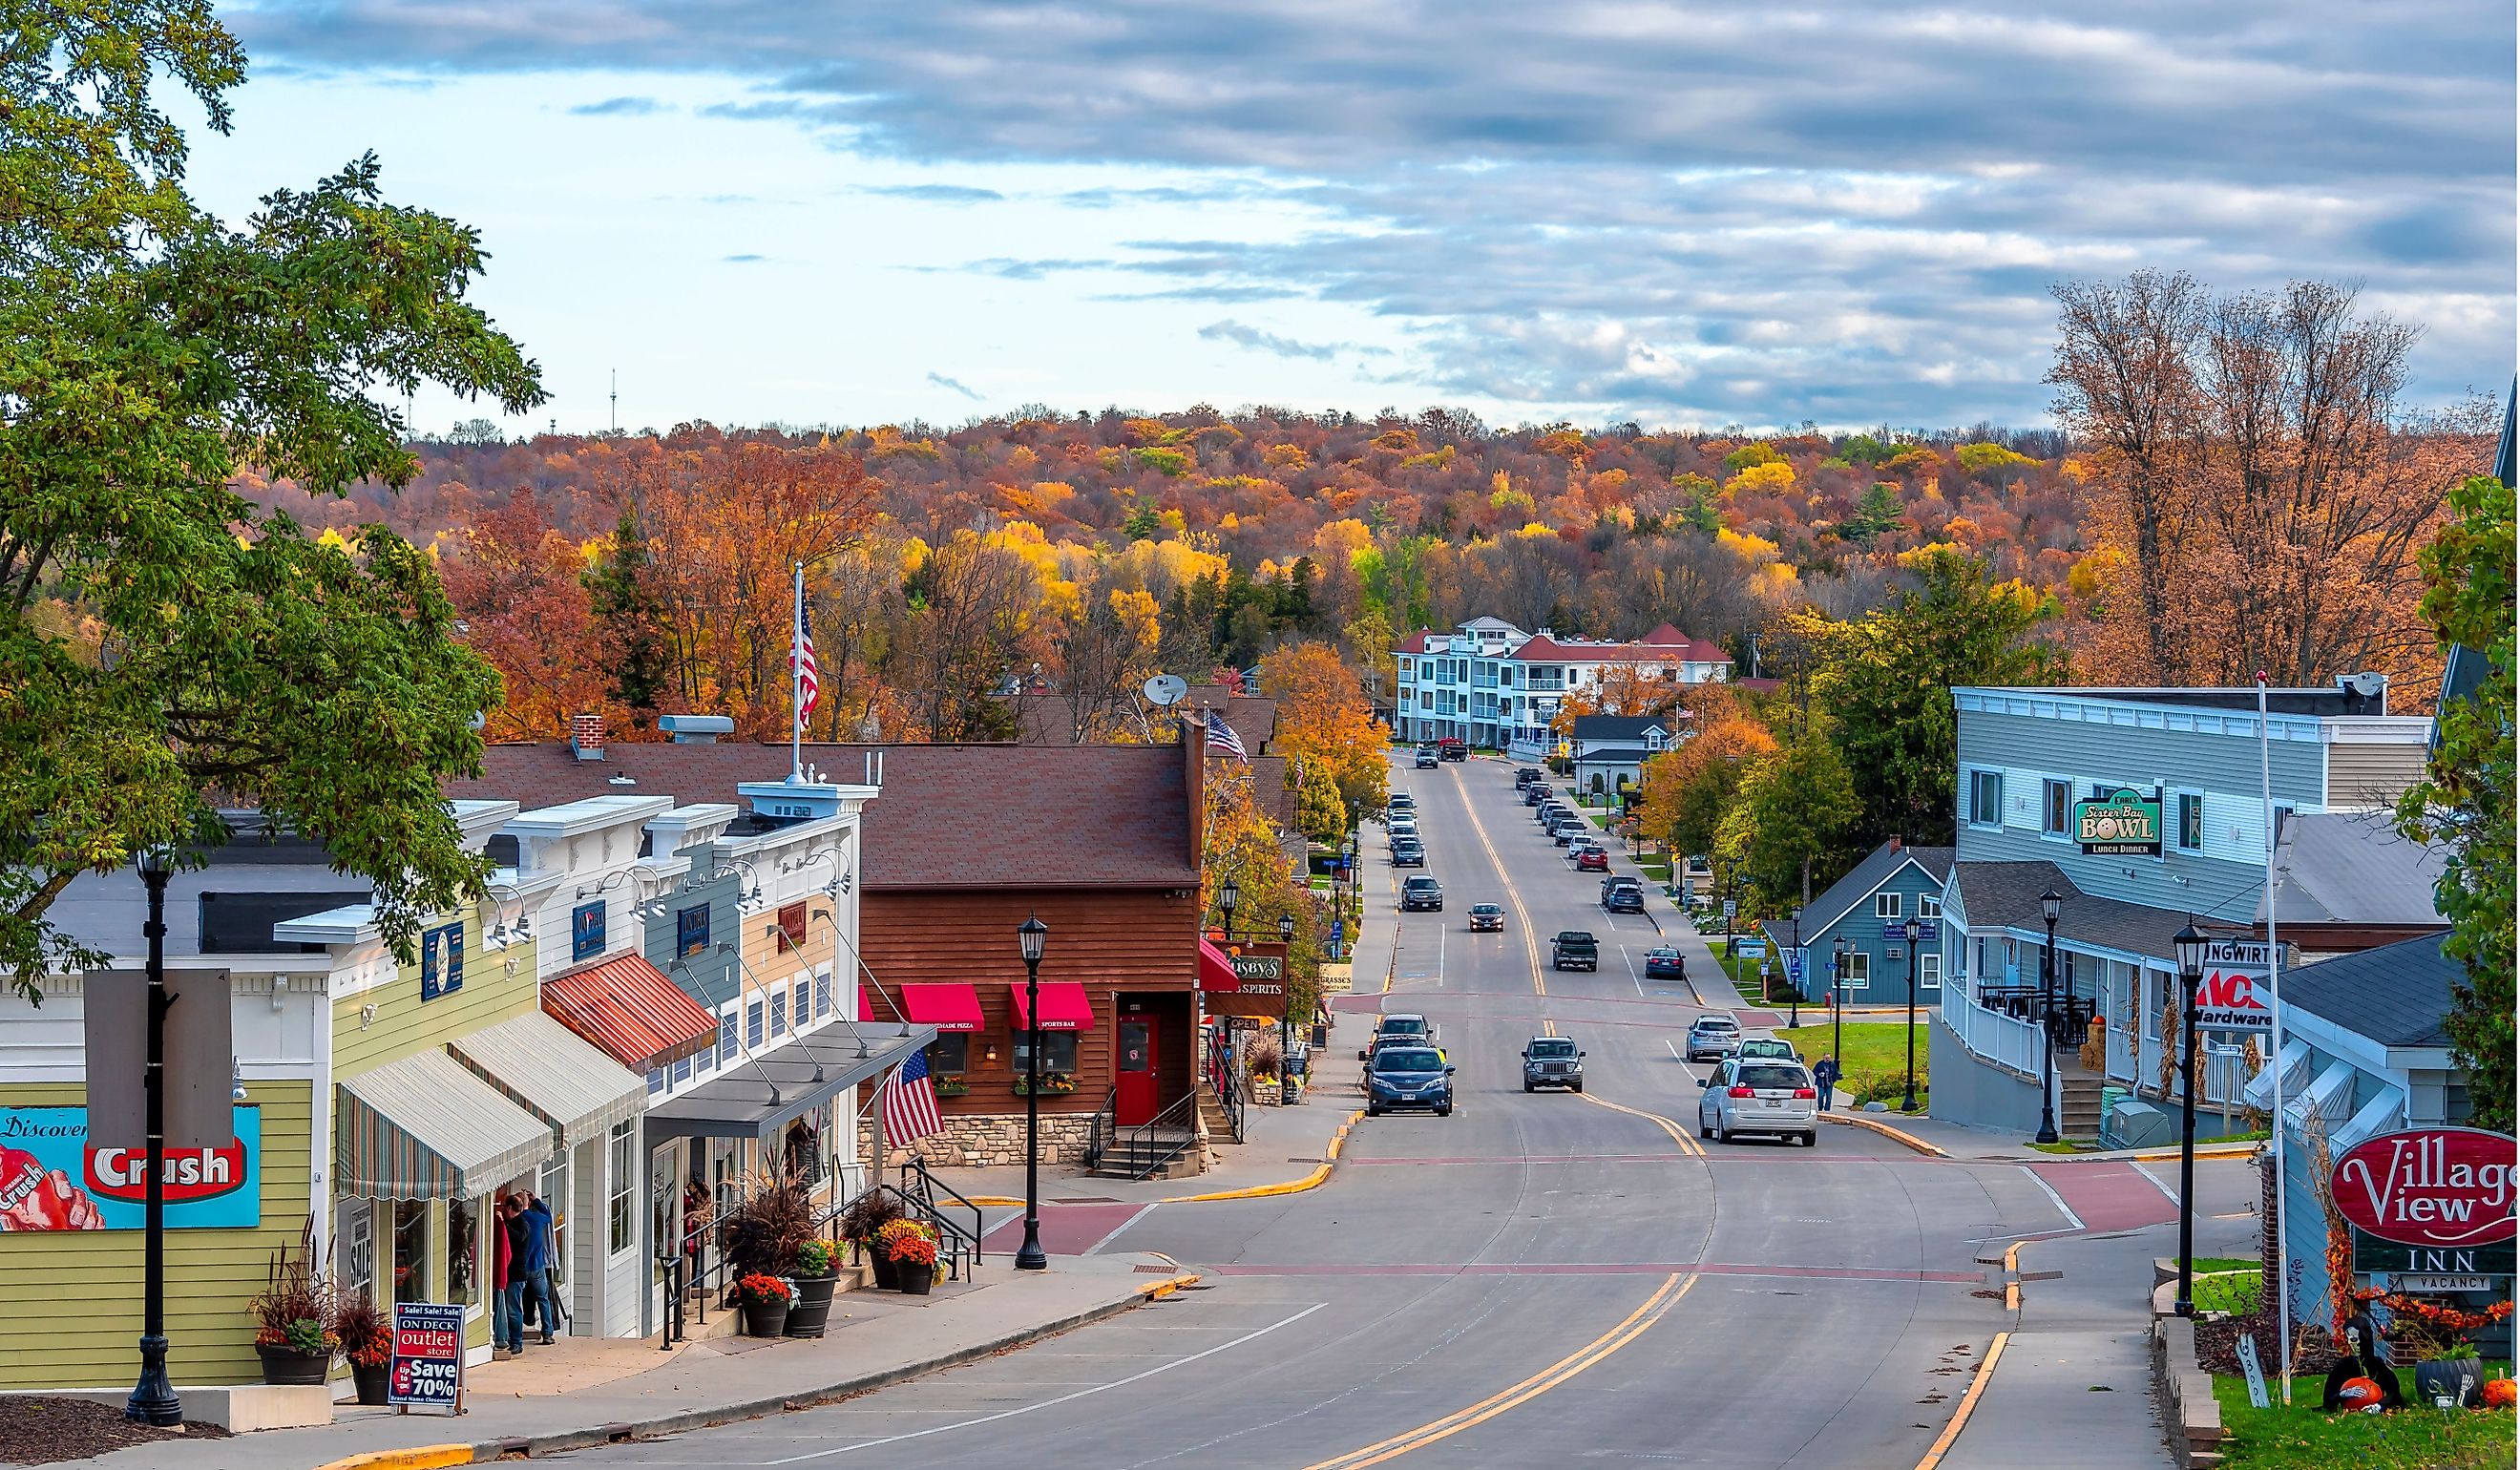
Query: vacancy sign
{"points": [[2233, 995]]}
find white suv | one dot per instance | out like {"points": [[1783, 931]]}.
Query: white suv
{"points": [[1759, 1095]]}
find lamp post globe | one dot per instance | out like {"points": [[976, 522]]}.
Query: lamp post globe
{"points": [[1229, 897], [2189, 946], [1032, 937]]}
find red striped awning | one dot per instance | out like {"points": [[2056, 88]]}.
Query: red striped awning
{"points": [[947, 1008], [1216, 968], [1065, 1006], [631, 1011]]}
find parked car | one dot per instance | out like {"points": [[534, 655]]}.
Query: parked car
{"points": [[1551, 1061], [1574, 950], [1534, 794], [1623, 894], [1525, 775], [1402, 826], [1453, 748], [1666, 962], [1425, 758], [1400, 1024], [1421, 892], [1567, 830], [1487, 917], [1758, 1096], [1712, 1038], [1767, 1046], [1408, 1076], [1592, 860], [1407, 852], [1402, 804]]}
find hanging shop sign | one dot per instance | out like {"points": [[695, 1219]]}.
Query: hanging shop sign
{"points": [[2231, 992], [1260, 983], [2437, 1189], [2125, 824], [54, 1178]]}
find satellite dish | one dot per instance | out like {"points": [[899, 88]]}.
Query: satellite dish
{"points": [[1166, 689]]}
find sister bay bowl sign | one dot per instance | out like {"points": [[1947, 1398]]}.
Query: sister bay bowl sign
{"points": [[2436, 1188]]}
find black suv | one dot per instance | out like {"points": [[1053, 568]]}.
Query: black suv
{"points": [[1528, 775], [1623, 895], [1421, 892], [1574, 950]]}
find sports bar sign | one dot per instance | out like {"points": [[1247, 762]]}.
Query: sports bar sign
{"points": [[2434, 1188], [1260, 988], [2123, 823]]}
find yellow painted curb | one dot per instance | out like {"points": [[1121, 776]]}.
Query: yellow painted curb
{"points": [[2203, 1151], [418, 1457], [1156, 1291], [996, 1201], [1968, 1402], [1310, 1181], [1858, 1120]]}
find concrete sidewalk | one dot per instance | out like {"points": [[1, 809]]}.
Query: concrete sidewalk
{"points": [[882, 1338]]}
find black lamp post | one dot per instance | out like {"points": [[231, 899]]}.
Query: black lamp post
{"points": [[2189, 946], [152, 1398], [1795, 1012], [1229, 896], [1286, 1013], [2052, 905], [1916, 931], [1837, 1022], [1032, 935]]}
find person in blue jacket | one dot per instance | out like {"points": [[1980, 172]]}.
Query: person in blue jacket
{"points": [[529, 1268]]}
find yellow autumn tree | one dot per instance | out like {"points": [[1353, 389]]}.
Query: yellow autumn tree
{"points": [[1325, 720]]}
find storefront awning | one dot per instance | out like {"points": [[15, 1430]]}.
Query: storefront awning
{"points": [[426, 1128], [628, 1008], [757, 1096], [1216, 968], [947, 1008], [1065, 1006], [541, 1066]]}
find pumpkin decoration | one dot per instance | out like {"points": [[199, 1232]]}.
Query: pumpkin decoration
{"points": [[2359, 1396], [2499, 1393]]}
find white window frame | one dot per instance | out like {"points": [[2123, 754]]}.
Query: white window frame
{"points": [[1859, 970], [2178, 830], [1929, 969], [2049, 786], [621, 1189], [1889, 904], [1994, 821], [1930, 907]]}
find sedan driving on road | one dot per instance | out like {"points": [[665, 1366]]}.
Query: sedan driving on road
{"points": [[1421, 892], [1592, 860], [1758, 1096], [1408, 1076], [1487, 917], [1623, 895], [1551, 1061], [1665, 962], [1713, 1038]]}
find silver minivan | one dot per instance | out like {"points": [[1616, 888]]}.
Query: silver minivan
{"points": [[1759, 1095]]}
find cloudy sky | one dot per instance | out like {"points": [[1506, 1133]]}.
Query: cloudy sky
{"points": [[1685, 215]]}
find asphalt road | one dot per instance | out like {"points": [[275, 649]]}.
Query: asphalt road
{"points": [[1535, 1278]]}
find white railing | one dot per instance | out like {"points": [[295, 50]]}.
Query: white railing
{"points": [[1990, 1034]]}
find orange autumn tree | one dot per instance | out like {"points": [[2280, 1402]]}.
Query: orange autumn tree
{"points": [[1690, 790], [1325, 722], [519, 587]]}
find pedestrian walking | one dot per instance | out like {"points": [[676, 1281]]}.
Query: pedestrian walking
{"points": [[508, 1328], [1824, 1078], [533, 1261]]}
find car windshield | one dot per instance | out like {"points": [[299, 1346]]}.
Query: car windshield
{"points": [[1553, 1049], [1485, 908], [1771, 1075], [1663, 955], [1408, 1060], [1763, 1048], [1715, 1023], [1403, 1026]]}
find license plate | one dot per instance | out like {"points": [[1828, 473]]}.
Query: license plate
{"points": [[1770, 1103]]}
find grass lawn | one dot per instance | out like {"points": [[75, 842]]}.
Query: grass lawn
{"points": [[2301, 1438], [1743, 973], [1876, 1051], [2233, 1291]]}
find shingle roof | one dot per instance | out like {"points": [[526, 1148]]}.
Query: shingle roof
{"points": [[2005, 895], [1624, 730], [1415, 643], [2353, 867], [1865, 878], [1565, 651], [2397, 994], [950, 816]]}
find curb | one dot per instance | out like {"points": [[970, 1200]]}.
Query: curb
{"points": [[1321, 1172], [1858, 1120], [418, 1457], [1967, 1404], [537, 1445], [996, 1202]]}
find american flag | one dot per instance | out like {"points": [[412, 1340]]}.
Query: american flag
{"points": [[1221, 737], [910, 1103], [809, 679]]}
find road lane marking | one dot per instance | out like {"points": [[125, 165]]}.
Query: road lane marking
{"points": [[2167, 1192], [1674, 1050], [1673, 1288], [1968, 1402], [1009, 1414], [2053, 1197], [1679, 1135], [1117, 1230], [1530, 943]]}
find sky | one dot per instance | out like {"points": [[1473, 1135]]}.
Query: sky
{"points": [[1760, 214]]}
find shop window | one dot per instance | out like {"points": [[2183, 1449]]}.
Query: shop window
{"points": [[1057, 1052], [463, 1244], [802, 997], [691, 931], [620, 1188], [1886, 904], [779, 1013], [1858, 970], [1929, 972], [821, 994], [948, 1058], [358, 1249], [410, 1251], [1929, 908], [2056, 808], [726, 1048], [791, 926]]}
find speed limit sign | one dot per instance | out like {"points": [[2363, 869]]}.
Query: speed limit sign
{"points": [[1730, 907]]}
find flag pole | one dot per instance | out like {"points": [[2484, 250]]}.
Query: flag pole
{"points": [[2274, 998], [796, 684]]}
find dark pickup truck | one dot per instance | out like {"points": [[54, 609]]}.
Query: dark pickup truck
{"points": [[1574, 950]]}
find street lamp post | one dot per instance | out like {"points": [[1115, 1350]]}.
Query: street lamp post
{"points": [[152, 1398], [2189, 946], [1837, 1012], [2052, 905], [1229, 896], [1032, 936], [1287, 1013], [1795, 1012], [1916, 931]]}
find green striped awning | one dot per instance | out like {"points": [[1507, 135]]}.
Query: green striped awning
{"points": [[427, 1128]]}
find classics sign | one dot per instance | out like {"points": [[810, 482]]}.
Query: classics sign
{"points": [[2126, 823], [2436, 1188]]}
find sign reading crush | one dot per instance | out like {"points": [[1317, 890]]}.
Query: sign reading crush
{"points": [[2438, 1187]]}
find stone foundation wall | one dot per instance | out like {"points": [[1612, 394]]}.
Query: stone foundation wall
{"points": [[975, 1141]]}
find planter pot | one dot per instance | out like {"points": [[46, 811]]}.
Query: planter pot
{"points": [[2459, 1380], [282, 1363], [370, 1381], [812, 1311], [887, 1276], [765, 1319], [916, 1277]]}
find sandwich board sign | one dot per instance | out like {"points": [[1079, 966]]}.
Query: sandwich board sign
{"points": [[427, 1371]]}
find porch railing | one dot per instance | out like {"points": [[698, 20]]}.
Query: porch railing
{"points": [[1226, 1079], [1150, 1145], [1999, 1038]]}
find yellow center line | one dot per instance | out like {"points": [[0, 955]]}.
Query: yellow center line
{"points": [[1679, 1135], [1633, 1327]]}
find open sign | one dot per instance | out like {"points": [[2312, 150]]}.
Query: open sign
{"points": [[2439, 1188]]}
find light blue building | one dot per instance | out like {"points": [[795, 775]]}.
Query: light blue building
{"points": [[1869, 909]]}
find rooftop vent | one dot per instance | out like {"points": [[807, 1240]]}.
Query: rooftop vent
{"points": [[695, 729]]}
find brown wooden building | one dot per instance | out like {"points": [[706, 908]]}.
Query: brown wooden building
{"points": [[1100, 842]]}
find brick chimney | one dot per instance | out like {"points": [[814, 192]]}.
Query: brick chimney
{"points": [[586, 736], [1894, 844]]}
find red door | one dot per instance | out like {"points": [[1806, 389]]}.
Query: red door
{"points": [[1137, 1101]]}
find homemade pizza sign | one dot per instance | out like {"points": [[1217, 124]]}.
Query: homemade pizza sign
{"points": [[2436, 1188]]}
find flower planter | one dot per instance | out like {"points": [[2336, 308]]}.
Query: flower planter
{"points": [[2459, 1379], [765, 1319], [916, 1276], [285, 1364], [813, 1310], [1265, 1093], [370, 1381], [887, 1276]]}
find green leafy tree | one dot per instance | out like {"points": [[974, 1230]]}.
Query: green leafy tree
{"points": [[2466, 801], [1877, 512], [1801, 806], [1886, 682], [166, 646], [1320, 813], [628, 614]]}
